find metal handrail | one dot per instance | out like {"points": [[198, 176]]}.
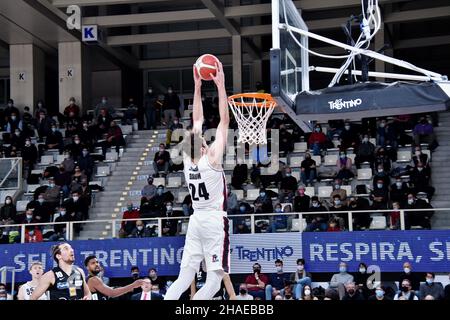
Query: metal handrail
{"points": [[252, 216]]}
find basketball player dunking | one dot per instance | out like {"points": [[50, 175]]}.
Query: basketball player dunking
{"points": [[66, 281], [207, 234]]}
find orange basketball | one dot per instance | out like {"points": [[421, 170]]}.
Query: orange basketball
{"points": [[206, 66]]}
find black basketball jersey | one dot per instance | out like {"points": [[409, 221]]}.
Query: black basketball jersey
{"points": [[97, 295], [67, 287]]}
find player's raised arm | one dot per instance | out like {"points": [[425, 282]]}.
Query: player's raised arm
{"points": [[215, 152], [197, 112], [46, 281]]}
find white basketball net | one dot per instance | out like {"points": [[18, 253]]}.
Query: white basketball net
{"points": [[251, 114]]}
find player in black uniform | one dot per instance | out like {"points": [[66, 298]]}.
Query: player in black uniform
{"points": [[99, 290], [66, 281]]}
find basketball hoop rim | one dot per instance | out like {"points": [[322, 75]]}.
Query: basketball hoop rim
{"points": [[268, 100]]}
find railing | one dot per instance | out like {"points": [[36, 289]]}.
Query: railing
{"points": [[10, 173], [114, 224]]}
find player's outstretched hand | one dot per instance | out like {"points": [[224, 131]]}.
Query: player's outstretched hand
{"points": [[86, 298], [219, 78], [197, 79], [138, 283]]}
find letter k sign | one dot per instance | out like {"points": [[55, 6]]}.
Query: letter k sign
{"points": [[90, 33]]}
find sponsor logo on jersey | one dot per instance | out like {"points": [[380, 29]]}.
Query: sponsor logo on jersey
{"points": [[215, 258], [62, 285]]}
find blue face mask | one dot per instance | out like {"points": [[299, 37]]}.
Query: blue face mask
{"points": [[160, 191], [379, 293], [262, 194], [278, 210], [429, 281], [242, 209], [342, 269]]}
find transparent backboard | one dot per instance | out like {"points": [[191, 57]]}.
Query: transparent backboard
{"points": [[289, 59]]}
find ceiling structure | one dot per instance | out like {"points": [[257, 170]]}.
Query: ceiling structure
{"points": [[155, 33]]}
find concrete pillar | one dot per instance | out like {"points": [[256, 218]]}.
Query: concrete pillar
{"points": [[27, 75], [74, 74], [237, 63]]}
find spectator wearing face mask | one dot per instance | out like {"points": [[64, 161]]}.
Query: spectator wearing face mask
{"points": [[381, 158], [339, 280], [316, 222], [157, 203], [63, 179], [114, 137], [54, 139], [161, 161], [412, 277], [342, 193], [29, 155], [349, 136], [8, 211], [317, 140], [86, 163], [361, 220], [361, 280], [33, 235], [381, 174], [398, 191], [278, 221], [351, 293], [301, 200], [432, 288], [150, 106], [307, 293], [76, 207], [308, 170], [344, 167], [420, 179], [128, 226], [87, 134], [420, 157], [43, 125], [14, 122], [169, 226], [385, 134], [52, 193], [149, 190], [300, 278], [10, 108], [287, 187], [77, 177], [417, 218], [263, 203], [103, 122], [340, 218], [365, 153], [379, 195], [423, 132], [171, 105], [277, 281], [243, 293], [286, 141], [157, 280], [242, 224], [104, 104], [40, 208], [256, 282], [28, 217], [76, 147], [140, 231], [60, 229], [406, 292], [380, 295], [68, 162]]}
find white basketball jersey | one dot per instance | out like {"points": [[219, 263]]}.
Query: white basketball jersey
{"points": [[207, 185], [28, 291]]}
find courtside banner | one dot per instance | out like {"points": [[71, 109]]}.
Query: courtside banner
{"points": [[427, 250], [119, 255]]}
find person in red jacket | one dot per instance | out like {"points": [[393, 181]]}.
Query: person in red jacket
{"points": [[33, 235], [317, 140], [128, 226], [333, 226], [257, 282]]}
